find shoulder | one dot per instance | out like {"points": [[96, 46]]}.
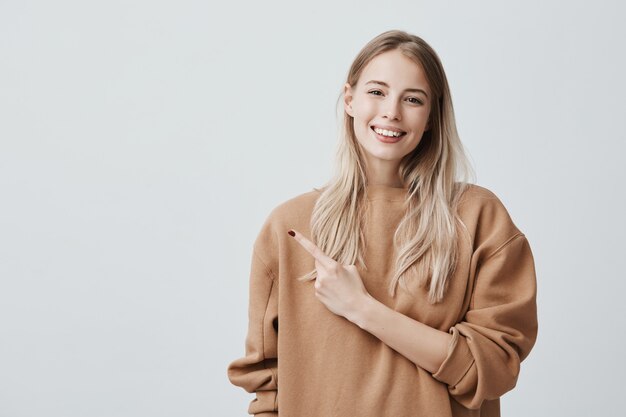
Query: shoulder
{"points": [[294, 212], [482, 205], [475, 192], [486, 218], [295, 205]]}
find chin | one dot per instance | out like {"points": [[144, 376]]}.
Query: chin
{"points": [[384, 154]]}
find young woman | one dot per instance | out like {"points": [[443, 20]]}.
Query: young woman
{"points": [[400, 288]]}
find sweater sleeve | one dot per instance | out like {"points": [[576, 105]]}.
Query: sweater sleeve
{"points": [[257, 370], [499, 329]]}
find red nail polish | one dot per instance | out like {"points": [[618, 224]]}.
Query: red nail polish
{"points": [[291, 232]]}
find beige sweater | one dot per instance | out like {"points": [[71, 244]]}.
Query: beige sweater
{"points": [[330, 367]]}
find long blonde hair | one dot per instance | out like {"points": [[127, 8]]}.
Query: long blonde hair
{"points": [[435, 173]]}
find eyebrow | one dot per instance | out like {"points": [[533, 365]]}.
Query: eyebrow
{"points": [[413, 90]]}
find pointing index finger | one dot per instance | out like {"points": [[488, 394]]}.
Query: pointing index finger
{"points": [[312, 248]]}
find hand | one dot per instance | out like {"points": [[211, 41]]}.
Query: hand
{"points": [[338, 286]]}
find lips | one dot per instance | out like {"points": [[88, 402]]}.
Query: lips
{"points": [[402, 134], [388, 139], [387, 127]]}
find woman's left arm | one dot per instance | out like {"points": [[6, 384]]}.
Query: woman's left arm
{"points": [[479, 359], [423, 345]]}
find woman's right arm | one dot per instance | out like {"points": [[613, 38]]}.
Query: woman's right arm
{"points": [[257, 371]]}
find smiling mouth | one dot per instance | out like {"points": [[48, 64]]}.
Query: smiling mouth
{"points": [[390, 137]]}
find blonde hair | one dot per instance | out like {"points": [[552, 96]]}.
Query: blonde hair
{"points": [[435, 173]]}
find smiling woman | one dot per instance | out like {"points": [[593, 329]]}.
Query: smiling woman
{"points": [[400, 288]]}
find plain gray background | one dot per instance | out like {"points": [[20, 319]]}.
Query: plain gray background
{"points": [[143, 143]]}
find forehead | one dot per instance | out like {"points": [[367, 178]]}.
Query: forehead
{"points": [[396, 69]]}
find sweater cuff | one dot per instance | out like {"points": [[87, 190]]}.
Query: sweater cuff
{"points": [[458, 361], [265, 404]]}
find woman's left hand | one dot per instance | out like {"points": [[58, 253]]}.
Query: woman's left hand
{"points": [[338, 286]]}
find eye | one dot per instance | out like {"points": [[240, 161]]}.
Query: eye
{"points": [[417, 101]]}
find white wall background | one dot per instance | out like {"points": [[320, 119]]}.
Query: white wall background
{"points": [[142, 144]]}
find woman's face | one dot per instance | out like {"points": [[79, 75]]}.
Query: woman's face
{"points": [[402, 104]]}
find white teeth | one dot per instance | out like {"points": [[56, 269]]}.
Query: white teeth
{"points": [[385, 132]]}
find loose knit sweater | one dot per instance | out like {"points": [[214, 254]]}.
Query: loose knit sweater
{"points": [[322, 365]]}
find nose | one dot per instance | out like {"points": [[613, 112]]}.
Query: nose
{"points": [[392, 111]]}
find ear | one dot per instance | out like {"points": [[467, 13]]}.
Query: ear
{"points": [[347, 99]]}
